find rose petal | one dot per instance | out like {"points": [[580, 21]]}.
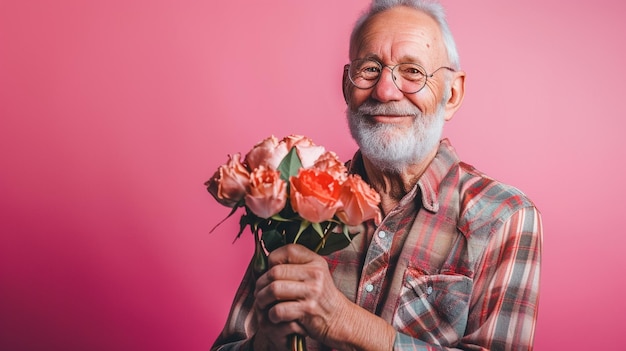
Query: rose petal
{"points": [[359, 202], [268, 153], [267, 192], [228, 184], [315, 195]]}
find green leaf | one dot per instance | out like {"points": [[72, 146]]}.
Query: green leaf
{"points": [[318, 229], [335, 241], [325, 244], [303, 226], [308, 238], [279, 218], [272, 239], [290, 165], [243, 222], [346, 232], [248, 219]]}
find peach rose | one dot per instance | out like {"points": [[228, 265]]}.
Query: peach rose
{"points": [[294, 139], [307, 151], [267, 193], [329, 162], [315, 195], [228, 184], [359, 202], [269, 153]]}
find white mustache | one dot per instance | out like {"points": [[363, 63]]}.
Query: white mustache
{"points": [[372, 108]]}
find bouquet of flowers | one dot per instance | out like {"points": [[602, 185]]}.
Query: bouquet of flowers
{"points": [[293, 191]]}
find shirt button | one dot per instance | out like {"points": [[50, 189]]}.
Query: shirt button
{"points": [[369, 288], [429, 290], [382, 234]]}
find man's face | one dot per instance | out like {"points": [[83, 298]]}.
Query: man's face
{"points": [[385, 121]]}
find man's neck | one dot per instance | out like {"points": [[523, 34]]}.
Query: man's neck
{"points": [[393, 186]]}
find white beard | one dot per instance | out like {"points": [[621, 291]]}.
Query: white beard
{"points": [[392, 148]]}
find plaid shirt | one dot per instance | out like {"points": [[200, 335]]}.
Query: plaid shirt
{"points": [[454, 266]]}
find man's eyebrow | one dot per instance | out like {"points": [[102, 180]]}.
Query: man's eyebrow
{"points": [[372, 57], [410, 59], [403, 59]]}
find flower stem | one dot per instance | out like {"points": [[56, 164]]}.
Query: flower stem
{"points": [[327, 232], [297, 342], [260, 258]]}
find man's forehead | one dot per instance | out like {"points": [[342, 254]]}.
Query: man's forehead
{"points": [[402, 19], [397, 24]]}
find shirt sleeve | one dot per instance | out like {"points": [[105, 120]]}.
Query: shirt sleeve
{"points": [[240, 325], [504, 301]]}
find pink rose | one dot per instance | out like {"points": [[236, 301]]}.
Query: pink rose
{"points": [[329, 162], [360, 202], [315, 195], [267, 193], [307, 151], [228, 184], [269, 153], [294, 139]]}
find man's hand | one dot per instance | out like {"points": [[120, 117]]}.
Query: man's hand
{"points": [[297, 295]]}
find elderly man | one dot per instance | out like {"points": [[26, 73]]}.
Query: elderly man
{"points": [[454, 263]]}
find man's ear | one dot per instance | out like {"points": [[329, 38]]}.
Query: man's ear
{"points": [[457, 91], [345, 84]]}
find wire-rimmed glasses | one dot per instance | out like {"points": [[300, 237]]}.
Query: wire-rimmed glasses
{"points": [[409, 78]]}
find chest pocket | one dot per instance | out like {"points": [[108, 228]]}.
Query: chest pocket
{"points": [[433, 308]]}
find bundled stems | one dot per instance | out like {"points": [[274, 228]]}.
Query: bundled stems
{"points": [[297, 342], [260, 266]]}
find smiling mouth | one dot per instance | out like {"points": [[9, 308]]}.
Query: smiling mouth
{"points": [[389, 118]]}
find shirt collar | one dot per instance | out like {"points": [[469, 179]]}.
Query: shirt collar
{"points": [[429, 182], [433, 175]]}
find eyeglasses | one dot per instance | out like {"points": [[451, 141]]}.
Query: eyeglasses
{"points": [[408, 77]]}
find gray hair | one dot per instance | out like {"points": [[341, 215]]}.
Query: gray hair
{"points": [[431, 8]]}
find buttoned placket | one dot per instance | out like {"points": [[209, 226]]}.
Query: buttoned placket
{"points": [[375, 268], [376, 265]]}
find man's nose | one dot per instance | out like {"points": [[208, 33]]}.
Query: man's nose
{"points": [[385, 89]]}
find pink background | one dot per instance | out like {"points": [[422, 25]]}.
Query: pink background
{"points": [[114, 113]]}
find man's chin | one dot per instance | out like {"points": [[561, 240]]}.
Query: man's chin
{"points": [[390, 133]]}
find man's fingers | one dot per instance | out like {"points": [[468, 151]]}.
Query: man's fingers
{"points": [[291, 253], [279, 291], [285, 311]]}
